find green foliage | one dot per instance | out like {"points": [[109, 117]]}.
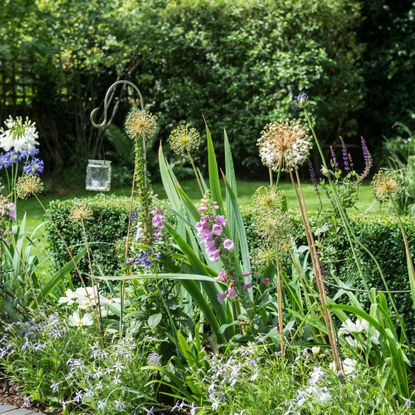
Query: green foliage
{"points": [[237, 63], [388, 30], [64, 366], [107, 228], [252, 380]]}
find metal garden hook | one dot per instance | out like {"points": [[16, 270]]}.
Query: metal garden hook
{"points": [[109, 96]]}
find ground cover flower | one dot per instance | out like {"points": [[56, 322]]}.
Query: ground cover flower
{"points": [[80, 321]]}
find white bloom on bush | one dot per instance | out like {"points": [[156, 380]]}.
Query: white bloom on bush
{"points": [[18, 134], [361, 326], [349, 366], [77, 321], [70, 298], [348, 327], [87, 297]]}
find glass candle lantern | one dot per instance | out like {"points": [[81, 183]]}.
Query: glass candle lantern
{"points": [[98, 175]]}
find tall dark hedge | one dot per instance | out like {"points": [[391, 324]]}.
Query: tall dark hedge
{"points": [[388, 30]]}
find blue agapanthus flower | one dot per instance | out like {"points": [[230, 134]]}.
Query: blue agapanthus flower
{"points": [[34, 166]]}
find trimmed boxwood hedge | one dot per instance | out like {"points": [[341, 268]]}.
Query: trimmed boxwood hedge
{"points": [[380, 234]]}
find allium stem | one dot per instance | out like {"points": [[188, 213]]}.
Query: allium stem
{"points": [[317, 271], [280, 320], [98, 316], [351, 235], [196, 173], [271, 178], [141, 184]]}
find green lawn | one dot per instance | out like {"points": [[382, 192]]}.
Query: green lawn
{"points": [[366, 203]]}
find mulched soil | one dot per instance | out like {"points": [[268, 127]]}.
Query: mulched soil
{"points": [[10, 395]]}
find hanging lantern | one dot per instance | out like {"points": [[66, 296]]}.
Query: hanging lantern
{"points": [[98, 175]]}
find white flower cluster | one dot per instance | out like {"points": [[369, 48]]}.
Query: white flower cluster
{"points": [[348, 329], [225, 372], [18, 135], [85, 298]]}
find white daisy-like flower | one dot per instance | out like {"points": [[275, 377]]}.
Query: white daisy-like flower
{"points": [[349, 327], [87, 297], [77, 321], [18, 135], [349, 366], [70, 298]]}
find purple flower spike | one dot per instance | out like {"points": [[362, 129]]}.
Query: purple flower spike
{"points": [[345, 155], [247, 286], [367, 158], [232, 292]]}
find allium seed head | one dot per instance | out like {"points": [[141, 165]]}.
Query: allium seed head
{"points": [[184, 139], [284, 144], [140, 123], [386, 185], [28, 185], [80, 212]]}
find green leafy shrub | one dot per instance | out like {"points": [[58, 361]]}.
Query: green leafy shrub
{"points": [[380, 234], [108, 227], [238, 63]]}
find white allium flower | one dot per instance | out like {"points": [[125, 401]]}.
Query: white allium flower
{"points": [[284, 145], [18, 134], [77, 321]]}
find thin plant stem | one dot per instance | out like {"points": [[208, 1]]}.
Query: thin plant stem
{"points": [[271, 177], [409, 259], [196, 173], [280, 320], [352, 237], [127, 244], [317, 273], [278, 174], [98, 315]]}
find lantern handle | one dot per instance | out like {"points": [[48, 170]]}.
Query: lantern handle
{"points": [[109, 96]]}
